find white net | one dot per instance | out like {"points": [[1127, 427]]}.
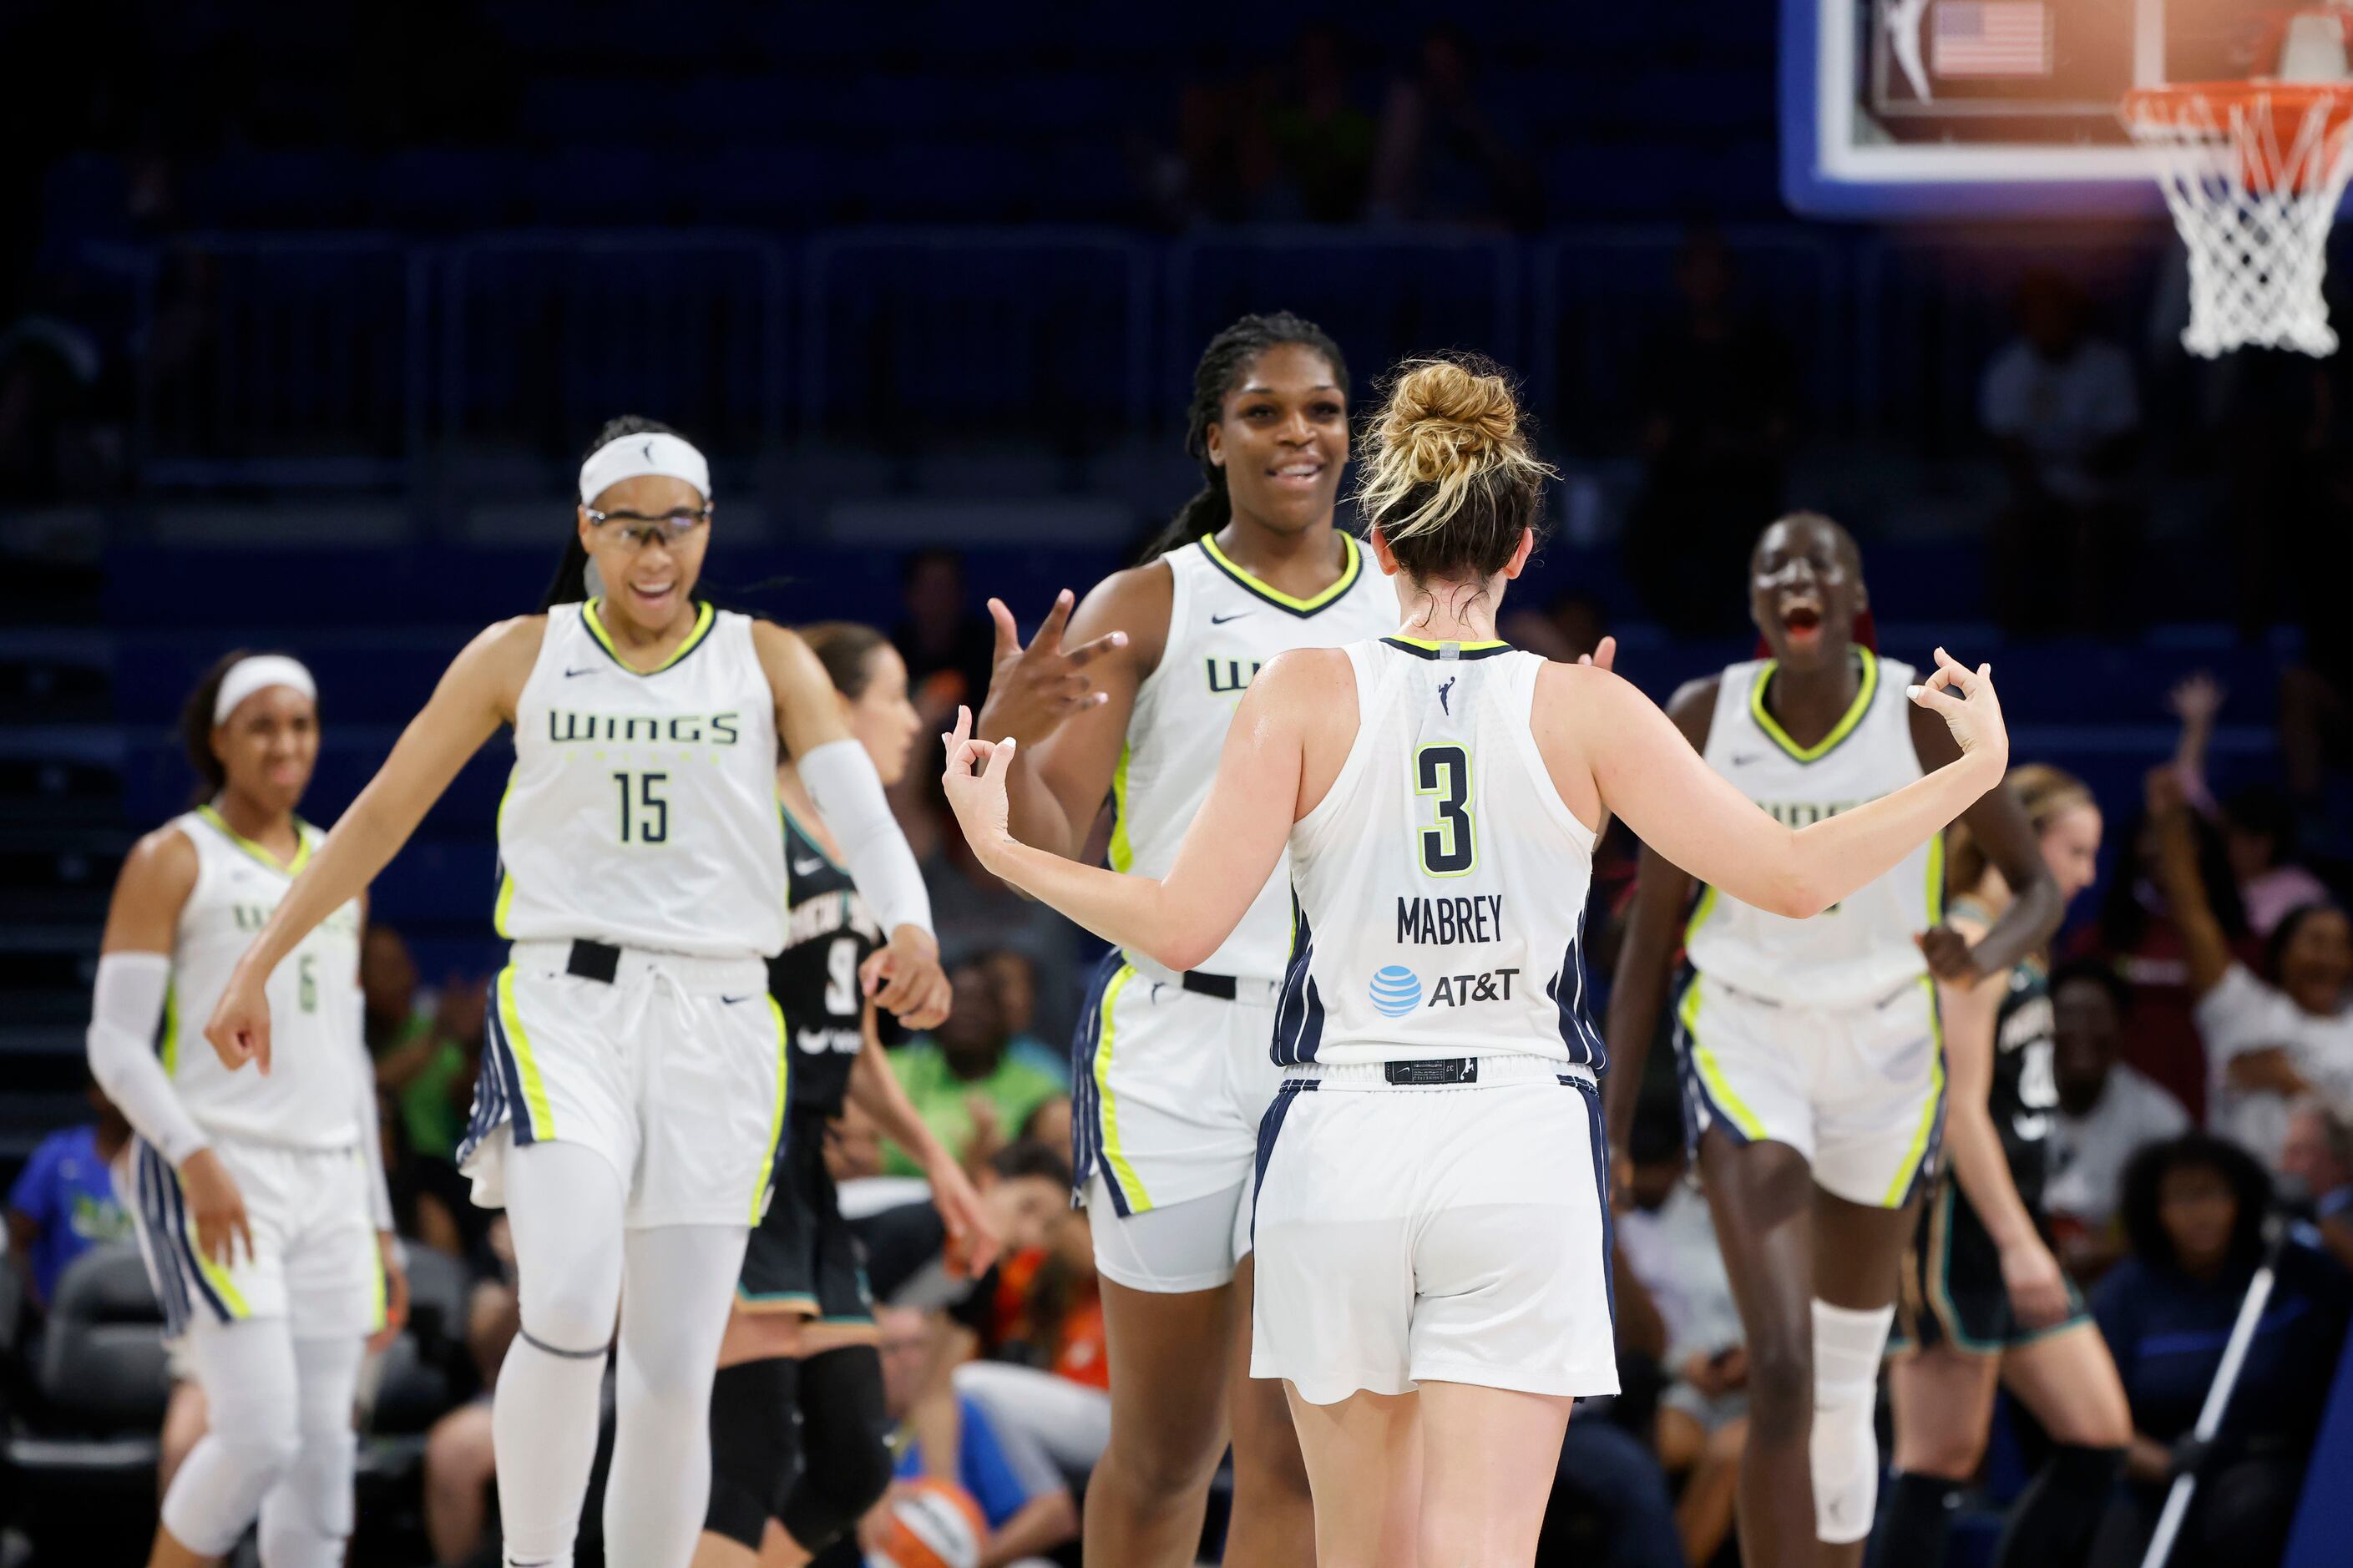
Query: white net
{"points": [[2254, 177]]}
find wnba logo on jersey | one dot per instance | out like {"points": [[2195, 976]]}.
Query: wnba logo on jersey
{"points": [[1228, 675], [719, 730]]}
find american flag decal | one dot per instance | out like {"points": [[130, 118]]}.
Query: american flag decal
{"points": [[1990, 37]]}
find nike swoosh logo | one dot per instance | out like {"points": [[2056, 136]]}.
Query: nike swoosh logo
{"points": [[731, 1001], [1221, 620], [807, 868], [590, 670], [1742, 760]]}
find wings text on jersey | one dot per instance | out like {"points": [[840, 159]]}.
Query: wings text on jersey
{"points": [[718, 730]]}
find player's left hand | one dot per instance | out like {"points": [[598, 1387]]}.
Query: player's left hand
{"points": [[975, 782], [1950, 957], [905, 979], [2038, 1290], [396, 1293], [1603, 656]]}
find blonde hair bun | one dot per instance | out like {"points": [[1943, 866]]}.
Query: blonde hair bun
{"points": [[1441, 415]]}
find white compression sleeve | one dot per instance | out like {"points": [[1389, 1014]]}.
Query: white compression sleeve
{"points": [[371, 1138], [126, 1004], [849, 794]]}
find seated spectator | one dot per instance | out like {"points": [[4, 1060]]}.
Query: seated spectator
{"points": [[425, 1062], [1669, 1241], [964, 1080], [460, 1468], [2109, 1111], [1015, 976], [1028, 1507], [1026, 1191], [2063, 410], [2194, 1209], [2258, 823], [2317, 1162], [431, 1203], [2268, 1041], [1610, 1505], [64, 1201]]}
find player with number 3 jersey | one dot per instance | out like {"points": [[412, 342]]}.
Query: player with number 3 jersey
{"points": [[1437, 797]]}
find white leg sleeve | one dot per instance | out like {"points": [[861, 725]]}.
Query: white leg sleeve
{"points": [[564, 1206], [307, 1517], [681, 1283], [1848, 1346], [247, 1373]]}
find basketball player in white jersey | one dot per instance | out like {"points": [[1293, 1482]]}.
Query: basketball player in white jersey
{"points": [[633, 1085], [1171, 1067], [259, 1203], [1813, 1069], [1431, 1205]]}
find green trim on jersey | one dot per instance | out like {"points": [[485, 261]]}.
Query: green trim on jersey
{"points": [[1421, 647], [168, 1047], [283, 867], [1719, 1088], [1115, 1156], [775, 1111], [705, 617], [1839, 731], [1123, 848], [1276, 596], [1909, 1169]]}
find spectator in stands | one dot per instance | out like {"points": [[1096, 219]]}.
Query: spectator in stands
{"points": [[1015, 976], [2194, 1208], [1322, 141], [1718, 399], [425, 1062], [2109, 1111], [2137, 935], [460, 1466], [1028, 1507], [948, 647], [431, 1202], [2269, 1041], [1443, 156], [64, 1203], [2064, 414], [2317, 1162], [1669, 1241], [966, 1079], [2258, 822]]}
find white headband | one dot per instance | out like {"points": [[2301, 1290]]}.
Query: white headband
{"points": [[247, 676], [635, 457]]}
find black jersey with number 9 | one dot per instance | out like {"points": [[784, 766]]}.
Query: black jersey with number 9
{"points": [[828, 933]]}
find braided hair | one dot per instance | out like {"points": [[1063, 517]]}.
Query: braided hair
{"points": [[1224, 365]]}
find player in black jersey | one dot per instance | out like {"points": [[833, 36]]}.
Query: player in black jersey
{"points": [[1984, 1301], [799, 1440]]}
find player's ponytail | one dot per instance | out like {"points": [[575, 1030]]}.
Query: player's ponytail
{"points": [[2043, 792], [570, 583], [1452, 479], [1225, 364]]}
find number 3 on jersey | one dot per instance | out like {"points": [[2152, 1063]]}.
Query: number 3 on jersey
{"points": [[652, 815], [1450, 847]]}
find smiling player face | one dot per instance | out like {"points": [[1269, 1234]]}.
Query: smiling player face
{"points": [[1804, 586], [1283, 439]]}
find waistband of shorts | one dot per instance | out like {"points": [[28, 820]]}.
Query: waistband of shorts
{"points": [[1494, 1071], [736, 972], [1250, 991], [1877, 998]]}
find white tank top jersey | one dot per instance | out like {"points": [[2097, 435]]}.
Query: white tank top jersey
{"points": [[1860, 948], [309, 1100], [642, 808], [1439, 890], [1223, 627]]}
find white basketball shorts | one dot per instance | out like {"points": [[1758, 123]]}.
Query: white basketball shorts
{"points": [[1859, 1090], [314, 1260], [1458, 1234], [673, 1071]]}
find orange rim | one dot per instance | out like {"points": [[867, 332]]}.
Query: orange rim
{"points": [[2207, 106]]}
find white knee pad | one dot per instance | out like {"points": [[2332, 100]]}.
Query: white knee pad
{"points": [[308, 1516], [1844, 1451], [219, 1490]]}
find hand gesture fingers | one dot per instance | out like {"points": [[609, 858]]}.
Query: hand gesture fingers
{"points": [[1604, 655]]}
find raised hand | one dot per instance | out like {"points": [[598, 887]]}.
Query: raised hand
{"points": [[975, 784], [2197, 700], [1033, 689], [1966, 700], [1604, 655]]}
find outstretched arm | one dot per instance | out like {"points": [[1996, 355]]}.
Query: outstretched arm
{"points": [[1641, 767], [476, 694], [1230, 850], [875, 1089], [1662, 893], [2185, 889]]}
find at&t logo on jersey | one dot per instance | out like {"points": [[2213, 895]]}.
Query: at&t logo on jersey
{"points": [[1397, 990]]}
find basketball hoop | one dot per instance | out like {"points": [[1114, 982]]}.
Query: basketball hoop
{"points": [[2253, 170]]}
